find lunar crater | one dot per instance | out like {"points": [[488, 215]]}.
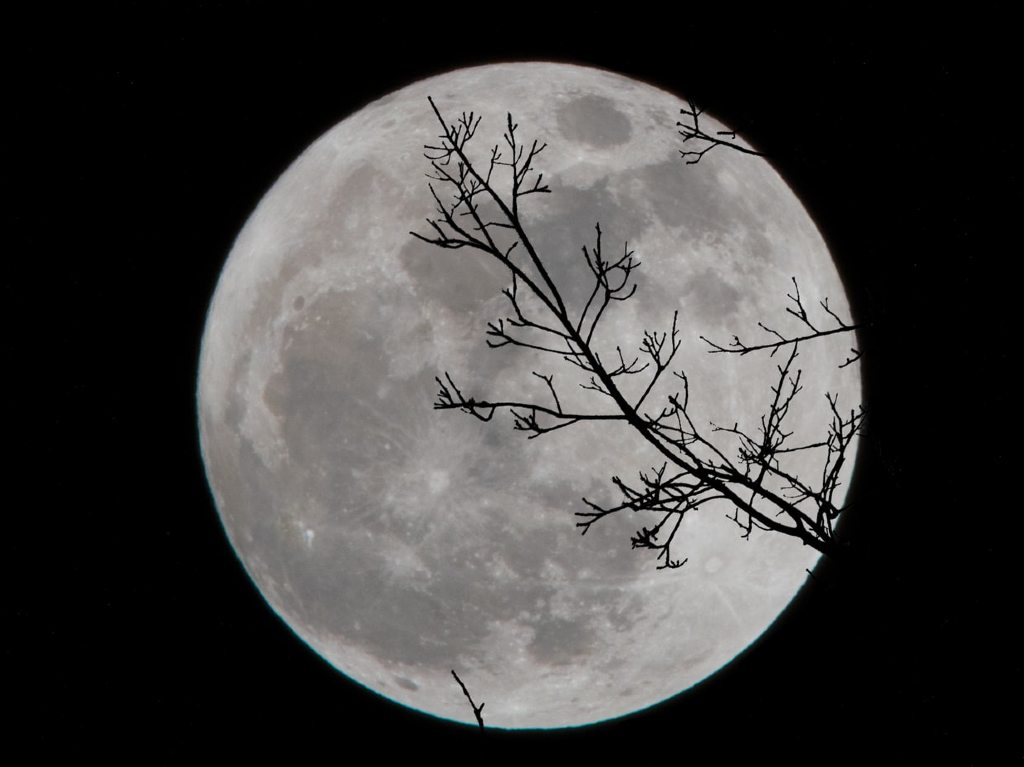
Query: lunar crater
{"points": [[594, 120]]}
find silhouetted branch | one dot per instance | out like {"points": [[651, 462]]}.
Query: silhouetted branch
{"points": [[754, 484], [611, 282], [737, 346], [477, 710], [450, 397], [691, 130]]}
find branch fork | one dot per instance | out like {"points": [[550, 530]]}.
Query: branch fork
{"points": [[752, 482]]}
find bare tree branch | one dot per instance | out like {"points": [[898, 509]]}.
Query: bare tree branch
{"points": [[754, 485], [477, 710], [691, 130], [738, 346]]}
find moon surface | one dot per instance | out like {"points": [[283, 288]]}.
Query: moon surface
{"points": [[402, 542]]}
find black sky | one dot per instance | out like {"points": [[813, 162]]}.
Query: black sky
{"points": [[141, 142]]}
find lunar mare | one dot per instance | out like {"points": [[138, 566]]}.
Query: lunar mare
{"points": [[401, 542]]}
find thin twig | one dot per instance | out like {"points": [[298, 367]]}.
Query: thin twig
{"points": [[738, 346], [691, 130], [477, 710]]}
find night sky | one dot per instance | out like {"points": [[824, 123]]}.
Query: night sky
{"points": [[142, 141]]}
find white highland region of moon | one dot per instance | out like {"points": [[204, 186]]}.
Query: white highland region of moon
{"points": [[402, 542]]}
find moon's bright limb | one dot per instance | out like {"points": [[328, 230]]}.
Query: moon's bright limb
{"points": [[401, 542]]}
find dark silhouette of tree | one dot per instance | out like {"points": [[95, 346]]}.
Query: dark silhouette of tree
{"points": [[691, 130], [778, 340], [695, 468], [478, 711]]}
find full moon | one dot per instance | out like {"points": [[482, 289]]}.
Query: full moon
{"points": [[402, 542]]}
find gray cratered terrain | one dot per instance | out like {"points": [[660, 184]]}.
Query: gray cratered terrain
{"points": [[402, 542]]}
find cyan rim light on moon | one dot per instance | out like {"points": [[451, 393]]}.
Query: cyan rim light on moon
{"points": [[401, 542]]}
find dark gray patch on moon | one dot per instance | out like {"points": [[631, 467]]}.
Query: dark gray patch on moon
{"points": [[697, 201], [504, 463], [758, 246], [388, 614], [694, 653], [406, 684], [624, 616], [462, 281], [693, 200], [715, 299], [557, 641], [352, 192], [594, 120], [251, 511], [311, 393], [357, 200], [524, 551], [234, 409]]}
